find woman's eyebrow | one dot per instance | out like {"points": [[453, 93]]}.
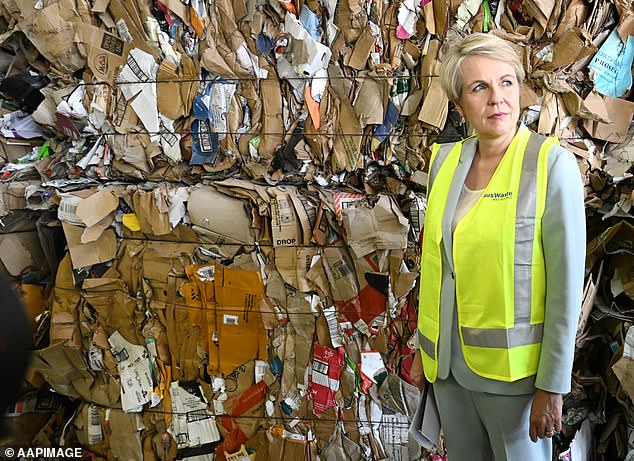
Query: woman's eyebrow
{"points": [[474, 82], [483, 81]]}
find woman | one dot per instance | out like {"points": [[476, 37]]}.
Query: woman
{"points": [[502, 266]]}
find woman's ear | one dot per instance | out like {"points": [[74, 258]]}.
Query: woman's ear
{"points": [[458, 108]]}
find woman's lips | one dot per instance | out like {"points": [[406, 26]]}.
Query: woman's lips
{"points": [[497, 115]]}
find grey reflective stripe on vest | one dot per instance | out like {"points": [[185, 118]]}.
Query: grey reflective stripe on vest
{"points": [[427, 344], [523, 333], [503, 338], [439, 159]]}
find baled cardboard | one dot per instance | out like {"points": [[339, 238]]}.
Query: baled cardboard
{"points": [[239, 330], [105, 53], [176, 87], [96, 207], [347, 143], [381, 227], [622, 233], [293, 264], [272, 122], [287, 448], [125, 438], [64, 367], [618, 111], [218, 216], [151, 209], [130, 18], [370, 102], [86, 254], [52, 30], [362, 49], [115, 308], [285, 224], [573, 45]]}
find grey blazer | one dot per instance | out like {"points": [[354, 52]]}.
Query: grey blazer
{"points": [[564, 243]]}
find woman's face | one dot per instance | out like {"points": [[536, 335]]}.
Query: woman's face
{"points": [[490, 98]]}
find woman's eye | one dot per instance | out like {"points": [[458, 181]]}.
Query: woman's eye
{"points": [[479, 87], [507, 82]]}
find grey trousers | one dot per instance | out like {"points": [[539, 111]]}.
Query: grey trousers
{"points": [[484, 427]]}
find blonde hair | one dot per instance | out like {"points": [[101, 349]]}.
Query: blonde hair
{"points": [[475, 45]]}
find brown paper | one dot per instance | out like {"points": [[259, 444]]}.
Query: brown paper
{"points": [[65, 369], [370, 101], [20, 252], [218, 216], [619, 112], [382, 227], [540, 11], [151, 210], [272, 123], [362, 49], [624, 370], [177, 87], [86, 254], [573, 46], [625, 9], [98, 206], [104, 52], [52, 31], [285, 224], [347, 143]]}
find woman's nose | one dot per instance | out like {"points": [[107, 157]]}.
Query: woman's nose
{"points": [[495, 96]]}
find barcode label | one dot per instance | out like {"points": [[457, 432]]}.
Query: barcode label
{"points": [[362, 327], [230, 319], [66, 207], [260, 370], [342, 267], [206, 273], [120, 108], [95, 435], [198, 415], [394, 429], [136, 69], [67, 210], [333, 326], [309, 209], [324, 380], [121, 355], [95, 359], [123, 30], [168, 136]]}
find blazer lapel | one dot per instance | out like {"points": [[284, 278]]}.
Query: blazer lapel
{"points": [[466, 158]]}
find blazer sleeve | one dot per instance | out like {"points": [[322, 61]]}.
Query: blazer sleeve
{"points": [[564, 244]]}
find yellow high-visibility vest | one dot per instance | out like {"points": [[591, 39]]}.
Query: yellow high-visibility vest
{"points": [[498, 262]]}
